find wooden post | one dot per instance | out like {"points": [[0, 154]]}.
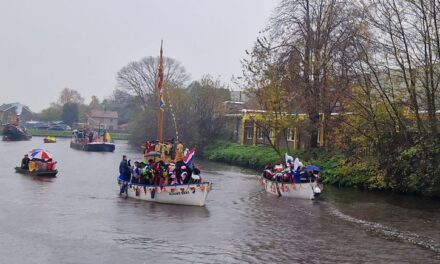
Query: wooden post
{"points": [[254, 139], [321, 135], [295, 138], [243, 122]]}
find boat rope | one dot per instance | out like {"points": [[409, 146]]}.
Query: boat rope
{"points": [[170, 105]]}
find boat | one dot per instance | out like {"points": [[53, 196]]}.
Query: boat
{"points": [[298, 182], [50, 139], [181, 194], [176, 180], [38, 162], [12, 131], [305, 190], [82, 141], [44, 173]]}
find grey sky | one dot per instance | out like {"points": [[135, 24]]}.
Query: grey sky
{"points": [[47, 45]]}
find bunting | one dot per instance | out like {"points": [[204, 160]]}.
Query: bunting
{"points": [[160, 81]]}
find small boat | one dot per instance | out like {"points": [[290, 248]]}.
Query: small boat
{"points": [[304, 190], [50, 139], [182, 194], [295, 180], [44, 173], [38, 163], [91, 141]]}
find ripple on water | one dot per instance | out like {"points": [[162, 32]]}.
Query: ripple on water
{"points": [[390, 233]]}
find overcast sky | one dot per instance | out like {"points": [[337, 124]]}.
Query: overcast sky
{"points": [[47, 45]]}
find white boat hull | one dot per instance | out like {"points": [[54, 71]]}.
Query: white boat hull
{"points": [[308, 190], [183, 194]]}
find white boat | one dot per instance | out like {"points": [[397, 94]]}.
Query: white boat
{"points": [[183, 194], [304, 190]]}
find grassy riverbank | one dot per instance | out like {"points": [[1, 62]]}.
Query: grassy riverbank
{"points": [[336, 168], [68, 134]]}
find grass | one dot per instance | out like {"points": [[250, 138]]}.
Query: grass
{"points": [[247, 156]]}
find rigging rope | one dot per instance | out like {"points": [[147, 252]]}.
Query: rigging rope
{"points": [[170, 105]]}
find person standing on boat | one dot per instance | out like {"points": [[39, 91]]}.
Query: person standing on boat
{"points": [[179, 151], [124, 169], [25, 162]]}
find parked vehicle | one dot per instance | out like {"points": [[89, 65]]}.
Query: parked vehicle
{"points": [[59, 127]]}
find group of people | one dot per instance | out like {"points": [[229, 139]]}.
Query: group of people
{"points": [[169, 150], [290, 172], [37, 164], [85, 135], [158, 173]]}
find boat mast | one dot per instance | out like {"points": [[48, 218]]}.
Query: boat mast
{"points": [[161, 102]]}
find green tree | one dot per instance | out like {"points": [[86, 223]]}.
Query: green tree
{"points": [[70, 113]]}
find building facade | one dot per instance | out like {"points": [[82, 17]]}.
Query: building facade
{"points": [[248, 130], [107, 120]]}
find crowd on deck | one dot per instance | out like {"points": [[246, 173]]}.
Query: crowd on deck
{"points": [[85, 135], [169, 150], [164, 164], [291, 172], [35, 164]]}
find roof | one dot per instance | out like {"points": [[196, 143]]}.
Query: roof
{"points": [[6, 107], [103, 114]]}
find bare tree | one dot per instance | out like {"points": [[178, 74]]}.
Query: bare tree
{"points": [[140, 77], [70, 96], [314, 43]]}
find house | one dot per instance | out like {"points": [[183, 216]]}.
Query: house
{"points": [[98, 119], [249, 129], [11, 110]]}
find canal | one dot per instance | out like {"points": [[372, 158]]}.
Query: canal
{"points": [[79, 217]]}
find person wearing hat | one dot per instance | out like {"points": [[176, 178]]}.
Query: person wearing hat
{"points": [[25, 162]]}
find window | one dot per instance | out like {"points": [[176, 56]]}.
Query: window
{"points": [[289, 134], [249, 133], [259, 133]]}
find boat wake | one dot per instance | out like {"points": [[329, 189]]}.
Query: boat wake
{"points": [[390, 233]]}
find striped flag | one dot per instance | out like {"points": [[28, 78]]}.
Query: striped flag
{"points": [[188, 159]]}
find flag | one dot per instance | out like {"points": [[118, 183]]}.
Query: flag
{"points": [[288, 159], [188, 159], [296, 164], [160, 81]]}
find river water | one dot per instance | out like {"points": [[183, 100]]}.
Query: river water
{"points": [[79, 217]]}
